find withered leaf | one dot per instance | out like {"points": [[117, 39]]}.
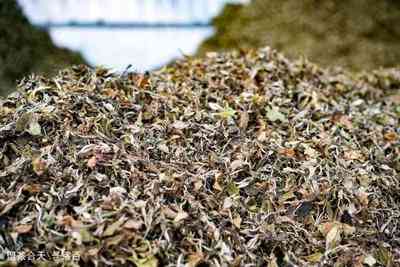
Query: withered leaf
{"points": [[273, 115], [23, 228], [114, 227]]}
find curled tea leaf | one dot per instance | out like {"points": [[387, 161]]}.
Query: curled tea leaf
{"points": [[273, 115]]}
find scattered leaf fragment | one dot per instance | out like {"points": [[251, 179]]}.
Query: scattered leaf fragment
{"points": [[34, 128], [273, 115], [236, 164], [23, 228], [133, 224], [39, 166], [232, 189], [390, 136], [227, 113], [244, 120], [353, 155], [92, 162], [164, 148], [237, 221], [114, 227], [180, 125], [195, 259], [315, 257], [150, 261], [333, 237], [288, 152], [180, 216], [369, 260]]}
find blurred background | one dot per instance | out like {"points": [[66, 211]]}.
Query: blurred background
{"points": [[43, 36], [115, 33]]}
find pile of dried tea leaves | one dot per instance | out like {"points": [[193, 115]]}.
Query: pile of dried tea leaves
{"points": [[228, 160]]}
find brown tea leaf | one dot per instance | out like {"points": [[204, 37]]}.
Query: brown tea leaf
{"points": [[23, 228]]}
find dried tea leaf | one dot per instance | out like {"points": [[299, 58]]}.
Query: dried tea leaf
{"points": [[69, 222], [133, 224], [34, 128], [92, 162], [312, 153], [114, 227], [169, 213], [315, 257], [39, 166], [273, 262], [164, 148], [180, 216], [180, 125], [228, 203], [390, 136], [232, 189], [369, 260], [32, 188], [150, 261], [345, 121], [217, 186], [353, 155], [215, 106], [237, 164], [237, 221], [348, 230], [23, 228], [273, 115], [114, 240], [384, 256], [85, 235], [363, 197], [325, 228], [288, 152], [333, 237], [23, 121], [195, 259], [28, 122], [227, 113], [244, 120]]}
